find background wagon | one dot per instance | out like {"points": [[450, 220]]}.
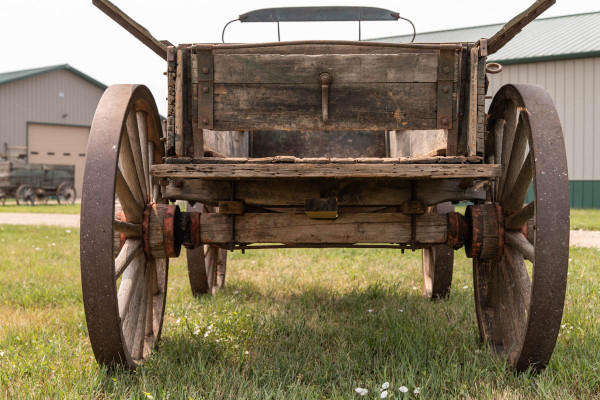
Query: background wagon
{"points": [[35, 183], [303, 144]]}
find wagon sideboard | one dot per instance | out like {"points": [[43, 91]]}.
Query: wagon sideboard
{"points": [[369, 87]]}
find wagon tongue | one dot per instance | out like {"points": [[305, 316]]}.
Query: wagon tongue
{"points": [[137, 30], [515, 25]]}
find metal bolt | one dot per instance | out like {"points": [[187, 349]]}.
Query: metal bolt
{"points": [[446, 70], [204, 121], [445, 89], [205, 70], [444, 120], [205, 89]]}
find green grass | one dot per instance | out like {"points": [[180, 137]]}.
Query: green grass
{"points": [[586, 219], [50, 208], [291, 324]]}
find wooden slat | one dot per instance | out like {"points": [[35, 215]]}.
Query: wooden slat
{"points": [[472, 131], [360, 106], [129, 170], [514, 201], [128, 284], [292, 228], [127, 229], [143, 127], [298, 170], [345, 68], [134, 139], [517, 155], [348, 193]]}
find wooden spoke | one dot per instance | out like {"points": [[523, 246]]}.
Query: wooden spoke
{"points": [[130, 321], [142, 124], [497, 129], [133, 133], [516, 197], [520, 278], [516, 157], [152, 290], [131, 249], [520, 218], [133, 212], [520, 242], [129, 170], [155, 188], [127, 229], [137, 351], [511, 310], [130, 278], [508, 135]]}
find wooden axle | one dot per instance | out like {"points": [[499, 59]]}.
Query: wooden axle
{"points": [[165, 229]]}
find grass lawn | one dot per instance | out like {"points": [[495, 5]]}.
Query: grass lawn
{"points": [[586, 219], [293, 324], [51, 208]]}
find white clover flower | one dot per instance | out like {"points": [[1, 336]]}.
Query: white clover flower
{"points": [[370, 310], [465, 287], [361, 391], [206, 333], [178, 321], [403, 389], [417, 390], [385, 385], [67, 230], [1, 353], [401, 310], [415, 288], [384, 394]]}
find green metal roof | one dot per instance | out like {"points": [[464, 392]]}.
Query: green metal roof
{"points": [[544, 39], [7, 77]]}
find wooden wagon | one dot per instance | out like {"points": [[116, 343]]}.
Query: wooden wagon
{"points": [[35, 183], [304, 144]]}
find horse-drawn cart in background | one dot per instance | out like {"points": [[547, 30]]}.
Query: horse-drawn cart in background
{"points": [[36, 183], [296, 144]]}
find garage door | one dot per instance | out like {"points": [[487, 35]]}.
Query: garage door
{"points": [[59, 144]]}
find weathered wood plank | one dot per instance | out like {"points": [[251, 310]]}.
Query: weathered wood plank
{"points": [[352, 228], [515, 25], [348, 192], [345, 68], [472, 131], [227, 143], [302, 170], [318, 144], [361, 106]]}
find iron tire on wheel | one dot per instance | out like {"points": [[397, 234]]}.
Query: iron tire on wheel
{"points": [[124, 297], [519, 312], [206, 264], [25, 194], [65, 193], [437, 263]]}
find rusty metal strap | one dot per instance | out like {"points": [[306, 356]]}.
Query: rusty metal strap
{"points": [[446, 74], [205, 65]]}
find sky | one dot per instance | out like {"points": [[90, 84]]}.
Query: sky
{"points": [[38, 33]]}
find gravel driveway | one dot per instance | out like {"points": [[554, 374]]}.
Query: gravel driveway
{"points": [[579, 238]]}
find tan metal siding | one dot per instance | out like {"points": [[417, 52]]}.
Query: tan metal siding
{"points": [[573, 85], [36, 99]]}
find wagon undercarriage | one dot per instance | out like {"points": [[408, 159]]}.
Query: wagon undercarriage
{"points": [[299, 145]]}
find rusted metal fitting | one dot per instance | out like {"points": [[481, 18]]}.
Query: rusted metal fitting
{"points": [[189, 229], [170, 244], [458, 230], [486, 241]]}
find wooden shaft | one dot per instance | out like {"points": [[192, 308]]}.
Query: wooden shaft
{"points": [[131, 249], [508, 137], [127, 167], [134, 139], [517, 154], [127, 229], [142, 124], [520, 218], [514, 201], [519, 242], [132, 211]]}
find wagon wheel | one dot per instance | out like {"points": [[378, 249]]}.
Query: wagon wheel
{"points": [[41, 197], [124, 297], [519, 304], [65, 193], [206, 264], [25, 194], [437, 263]]}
